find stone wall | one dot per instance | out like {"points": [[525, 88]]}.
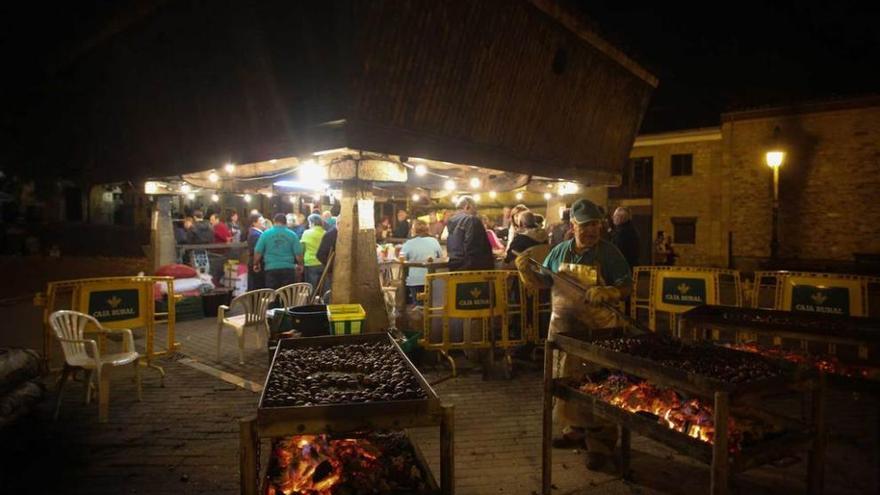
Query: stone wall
{"points": [[829, 182]]}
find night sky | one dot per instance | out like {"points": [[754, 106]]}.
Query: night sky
{"points": [[734, 56]]}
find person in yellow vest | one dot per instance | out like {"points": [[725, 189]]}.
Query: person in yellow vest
{"points": [[598, 265]]}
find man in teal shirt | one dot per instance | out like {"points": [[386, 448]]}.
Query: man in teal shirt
{"points": [[600, 267], [280, 252]]}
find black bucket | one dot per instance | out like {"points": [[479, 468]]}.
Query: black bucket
{"points": [[310, 320]]}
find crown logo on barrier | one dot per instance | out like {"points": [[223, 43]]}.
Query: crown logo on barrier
{"points": [[114, 301], [475, 292], [683, 288], [819, 298]]}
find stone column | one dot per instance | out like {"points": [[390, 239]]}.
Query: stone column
{"points": [[162, 233], [356, 269]]}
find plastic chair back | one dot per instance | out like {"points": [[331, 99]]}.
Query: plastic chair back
{"points": [[295, 294], [70, 325], [255, 303]]}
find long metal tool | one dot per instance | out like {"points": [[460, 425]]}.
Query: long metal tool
{"points": [[631, 322]]}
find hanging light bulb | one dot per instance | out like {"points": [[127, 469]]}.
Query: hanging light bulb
{"points": [[213, 177], [493, 194], [229, 167], [416, 198], [215, 198], [185, 188], [519, 196], [421, 170], [477, 197], [475, 182], [547, 196], [247, 198], [449, 185]]}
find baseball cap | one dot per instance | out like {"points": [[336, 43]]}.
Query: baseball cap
{"points": [[584, 210]]}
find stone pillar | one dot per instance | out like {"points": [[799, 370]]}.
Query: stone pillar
{"points": [[356, 269], [162, 233]]}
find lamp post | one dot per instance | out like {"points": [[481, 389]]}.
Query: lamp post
{"points": [[774, 158]]}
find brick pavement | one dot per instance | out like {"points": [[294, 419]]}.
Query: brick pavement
{"points": [[184, 438]]}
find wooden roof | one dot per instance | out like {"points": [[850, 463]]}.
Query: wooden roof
{"points": [[512, 85]]}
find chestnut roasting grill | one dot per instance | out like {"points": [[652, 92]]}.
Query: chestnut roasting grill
{"points": [[731, 384], [344, 385]]}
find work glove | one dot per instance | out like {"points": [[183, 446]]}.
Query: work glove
{"points": [[607, 294], [529, 275]]}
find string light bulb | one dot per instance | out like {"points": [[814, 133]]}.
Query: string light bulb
{"points": [[547, 196], [477, 197], [291, 199], [475, 182], [493, 194], [229, 167], [416, 197], [215, 198], [519, 196], [213, 177], [185, 188], [421, 170], [269, 194], [191, 196], [449, 185], [247, 198]]}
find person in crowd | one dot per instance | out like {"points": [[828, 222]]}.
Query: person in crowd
{"points": [[217, 257], [203, 231], [505, 217], [467, 244], [528, 237], [421, 247], [561, 231], [233, 225], [671, 256], [439, 225], [383, 232], [278, 253], [660, 253], [183, 233], [222, 234], [311, 240], [300, 226], [624, 235], [494, 242], [291, 221], [327, 246], [256, 277], [401, 230], [514, 222], [600, 267]]}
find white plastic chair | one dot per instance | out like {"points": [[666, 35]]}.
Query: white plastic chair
{"points": [[254, 303], [82, 353], [295, 294]]}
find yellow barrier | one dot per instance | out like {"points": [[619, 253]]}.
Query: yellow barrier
{"points": [[661, 293], [457, 302], [829, 293], [116, 302]]}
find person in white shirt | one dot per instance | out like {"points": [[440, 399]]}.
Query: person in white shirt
{"points": [[422, 247]]}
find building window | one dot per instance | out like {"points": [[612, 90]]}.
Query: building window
{"points": [[682, 164], [684, 230], [637, 180]]}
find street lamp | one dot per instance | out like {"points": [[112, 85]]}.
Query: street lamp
{"points": [[774, 158]]}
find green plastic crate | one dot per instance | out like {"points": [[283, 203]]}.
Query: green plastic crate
{"points": [[346, 319]]}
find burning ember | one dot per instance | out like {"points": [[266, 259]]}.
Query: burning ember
{"points": [[321, 465], [825, 363], [689, 416]]}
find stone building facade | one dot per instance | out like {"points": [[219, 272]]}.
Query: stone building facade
{"points": [[712, 187]]}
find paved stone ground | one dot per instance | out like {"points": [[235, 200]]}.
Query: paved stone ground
{"points": [[183, 438]]}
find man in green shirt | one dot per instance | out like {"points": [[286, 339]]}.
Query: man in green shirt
{"points": [[598, 265], [311, 239], [280, 253]]}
